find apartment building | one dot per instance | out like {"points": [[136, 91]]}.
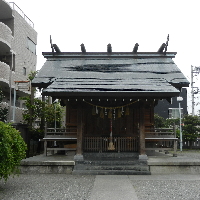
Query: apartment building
{"points": [[18, 41]]}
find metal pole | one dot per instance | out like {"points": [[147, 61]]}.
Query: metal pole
{"points": [[10, 85], [181, 140], [14, 102], [55, 117], [55, 124], [192, 91]]}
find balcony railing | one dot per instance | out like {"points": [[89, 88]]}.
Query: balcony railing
{"points": [[15, 7], [5, 34], [4, 71]]}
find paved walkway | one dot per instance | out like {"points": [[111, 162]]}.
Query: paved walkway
{"points": [[113, 187]]}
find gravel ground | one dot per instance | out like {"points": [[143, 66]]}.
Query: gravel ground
{"points": [[167, 189], [75, 187], [189, 153], [72, 187], [47, 186]]}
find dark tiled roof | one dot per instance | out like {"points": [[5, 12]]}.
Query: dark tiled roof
{"points": [[76, 74]]}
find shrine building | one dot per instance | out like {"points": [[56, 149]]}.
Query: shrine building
{"points": [[110, 96]]}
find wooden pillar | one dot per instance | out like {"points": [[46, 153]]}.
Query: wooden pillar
{"points": [[142, 152], [79, 150]]}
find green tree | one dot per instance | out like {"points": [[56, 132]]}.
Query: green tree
{"points": [[191, 128], [37, 110], [40, 110], [3, 111], [172, 122], [159, 121], [12, 150]]}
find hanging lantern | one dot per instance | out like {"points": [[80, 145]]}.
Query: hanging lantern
{"points": [[93, 111], [119, 113], [127, 111], [102, 113], [110, 114]]}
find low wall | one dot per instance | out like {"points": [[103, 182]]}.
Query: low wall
{"points": [[46, 167], [174, 167]]}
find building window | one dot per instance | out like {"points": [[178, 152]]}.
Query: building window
{"points": [[174, 113], [31, 46], [24, 71]]}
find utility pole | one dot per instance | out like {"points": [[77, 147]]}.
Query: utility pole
{"points": [[10, 87], [180, 99], [194, 90]]}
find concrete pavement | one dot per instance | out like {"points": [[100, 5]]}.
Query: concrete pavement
{"points": [[113, 187]]}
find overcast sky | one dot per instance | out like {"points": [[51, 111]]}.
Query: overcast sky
{"points": [[121, 23]]}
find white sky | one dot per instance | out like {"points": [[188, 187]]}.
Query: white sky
{"points": [[121, 23]]}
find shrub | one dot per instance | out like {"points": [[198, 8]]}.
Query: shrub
{"points": [[3, 111], [12, 150]]}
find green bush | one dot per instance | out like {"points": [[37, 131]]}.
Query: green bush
{"points": [[12, 150], [3, 111]]}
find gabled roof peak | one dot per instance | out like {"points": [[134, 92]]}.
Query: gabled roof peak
{"points": [[108, 55]]}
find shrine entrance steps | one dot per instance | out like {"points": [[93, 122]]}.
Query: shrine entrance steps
{"points": [[111, 164]]}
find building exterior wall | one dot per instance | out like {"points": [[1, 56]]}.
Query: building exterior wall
{"points": [[18, 112], [24, 57], [16, 34], [162, 108]]}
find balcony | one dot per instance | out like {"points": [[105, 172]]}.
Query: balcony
{"points": [[4, 72], [5, 37]]}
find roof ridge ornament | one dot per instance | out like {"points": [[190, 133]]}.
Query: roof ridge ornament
{"points": [[54, 47], [51, 45], [135, 49], [163, 47], [109, 48], [166, 44], [83, 48]]}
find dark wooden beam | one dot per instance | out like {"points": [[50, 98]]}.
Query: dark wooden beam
{"points": [[142, 131], [79, 150], [56, 48], [162, 47], [109, 48], [83, 48], [135, 49]]}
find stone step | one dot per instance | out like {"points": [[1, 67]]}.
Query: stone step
{"points": [[111, 155], [110, 172], [111, 162], [112, 167]]}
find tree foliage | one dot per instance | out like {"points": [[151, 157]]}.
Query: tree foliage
{"points": [[3, 111], [160, 122], [38, 110], [191, 127], [41, 110], [12, 150]]}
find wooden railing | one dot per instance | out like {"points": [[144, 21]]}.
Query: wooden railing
{"points": [[101, 144], [60, 131], [161, 139], [59, 134]]}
